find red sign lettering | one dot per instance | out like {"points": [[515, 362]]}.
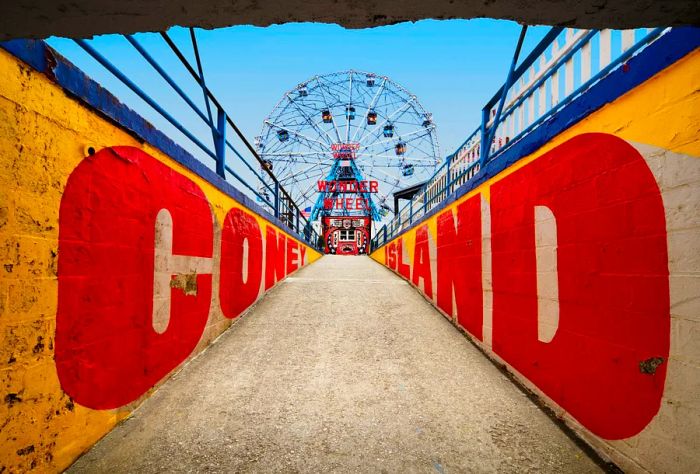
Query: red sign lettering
{"points": [[403, 268], [421, 261], [275, 245], [237, 293], [608, 233], [612, 276], [107, 350], [351, 186], [459, 265], [292, 256], [391, 255]]}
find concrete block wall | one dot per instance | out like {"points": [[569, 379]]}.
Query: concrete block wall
{"points": [[117, 265], [577, 267]]}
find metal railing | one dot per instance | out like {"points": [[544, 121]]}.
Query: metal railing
{"points": [[564, 65], [220, 140]]}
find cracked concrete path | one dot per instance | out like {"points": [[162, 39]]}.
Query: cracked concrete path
{"points": [[341, 368]]}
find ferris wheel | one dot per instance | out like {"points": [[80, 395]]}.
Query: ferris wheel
{"points": [[393, 138]]}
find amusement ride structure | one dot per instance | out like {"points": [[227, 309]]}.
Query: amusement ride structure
{"points": [[341, 144]]}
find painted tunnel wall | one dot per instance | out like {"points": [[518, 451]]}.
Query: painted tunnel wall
{"points": [[116, 268], [578, 268]]}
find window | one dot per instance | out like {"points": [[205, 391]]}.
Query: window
{"points": [[347, 235]]}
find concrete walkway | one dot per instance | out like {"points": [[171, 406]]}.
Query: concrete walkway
{"points": [[341, 368]]}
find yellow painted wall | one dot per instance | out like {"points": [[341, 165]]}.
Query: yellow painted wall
{"points": [[44, 135], [660, 119]]}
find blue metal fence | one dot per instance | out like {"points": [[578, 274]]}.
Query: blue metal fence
{"points": [[234, 158], [564, 65]]}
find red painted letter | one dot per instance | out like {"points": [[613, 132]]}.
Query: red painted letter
{"points": [[403, 268], [236, 292], [613, 286], [421, 261], [108, 352], [302, 255], [274, 257], [459, 265], [292, 256], [391, 255]]}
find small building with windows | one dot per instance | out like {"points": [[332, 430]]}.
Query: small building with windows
{"points": [[346, 235]]}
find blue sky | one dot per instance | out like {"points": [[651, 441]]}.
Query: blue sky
{"points": [[452, 66]]}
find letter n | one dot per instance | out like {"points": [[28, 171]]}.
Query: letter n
{"points": [[275, 261], [459, 265]]}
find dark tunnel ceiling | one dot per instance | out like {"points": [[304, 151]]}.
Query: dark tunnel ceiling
{"points": [[83, 18]]}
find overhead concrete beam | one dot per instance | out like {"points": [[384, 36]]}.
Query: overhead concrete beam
{"points": [[84, 18]]}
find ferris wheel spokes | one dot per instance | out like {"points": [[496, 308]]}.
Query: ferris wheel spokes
{"points": [[301, 135], [401, 109], [316, 144], [416, 134], [364, 157], [312, 122], [297, 153], [370, 108], [348, 116], [328, 107], [294, 173]]}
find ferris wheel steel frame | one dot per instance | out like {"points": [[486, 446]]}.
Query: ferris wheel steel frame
{"points": [[395, 136]]}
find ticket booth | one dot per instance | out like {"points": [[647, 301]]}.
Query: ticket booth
{"points": [[346, 235]]}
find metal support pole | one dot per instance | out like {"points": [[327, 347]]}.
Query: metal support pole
{"points": [[202, 84], [297, 224], [449, 178], [220, 143], [484, 136], [410, 211], [277, 199], [485, 150]]}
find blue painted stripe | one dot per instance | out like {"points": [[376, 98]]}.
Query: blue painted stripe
{"points": [[656, 57], [32, 52], [43, 58]]}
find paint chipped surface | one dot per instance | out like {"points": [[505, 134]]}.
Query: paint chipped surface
{"points": [[187, 283], [650, 365]]}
